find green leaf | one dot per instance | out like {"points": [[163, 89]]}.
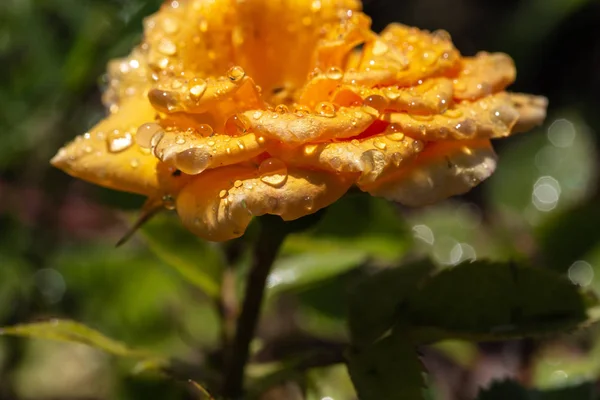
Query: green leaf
{"points": [[300, 271], [74, 332], [388, 369], [198, 261], [487, 301], [356, 223], [375, 301]]}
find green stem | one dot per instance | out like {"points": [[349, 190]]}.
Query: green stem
{"points": [[271, 237]]}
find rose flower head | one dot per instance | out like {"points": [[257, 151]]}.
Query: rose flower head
{"points": [[232, 109]]}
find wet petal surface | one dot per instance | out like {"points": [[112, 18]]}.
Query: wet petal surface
{"points": [[442, 170], [219, 204]]}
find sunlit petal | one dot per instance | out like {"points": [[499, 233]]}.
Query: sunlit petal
{"points": [[219, 204]]}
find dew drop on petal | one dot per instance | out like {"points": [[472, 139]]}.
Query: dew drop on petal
{"points": [[273, 172], [197, 88], [397, 159], [223, 194], [418, 146], [192, 161], [205, 130], [335, 73], [145, 133], [301, 110], [234, 126], [168, 202], [236, 73], [281, 109], [377, 102], [379, 144], [326, 109], [118, 141], [238, 183]]}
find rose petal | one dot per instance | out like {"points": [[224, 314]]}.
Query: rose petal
{"points": [[190, 36], [192, 153], [212, 95], [108, 155], [414, 54], [484, 74], [334, 49], [296, 128], [126, 77], [532, 110], [434, 96], [491, 117], [274, 40], [219, 204], [367, 157], [442, 170]]}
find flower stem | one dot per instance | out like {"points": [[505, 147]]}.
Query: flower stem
{"points": [[270, 238]]}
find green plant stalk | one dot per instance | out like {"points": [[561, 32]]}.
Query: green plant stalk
{"points": [[272, 235]]}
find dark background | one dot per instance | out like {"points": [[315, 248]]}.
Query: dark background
{"points": [[57, 234]]}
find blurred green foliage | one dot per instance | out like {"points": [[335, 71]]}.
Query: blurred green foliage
{"points": [[354, 276]]}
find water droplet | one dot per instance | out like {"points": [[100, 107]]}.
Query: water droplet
{"points": [[301, 110], [167, 47], [418, 146], [192, 161], [211, 143], [468, 127], [162, 99], [397, 159], [355, 142], [281, 109], [257, 114], [392, 93], [376, 102], [197, 88], [335, 163], [119, 141], [179, 140], [205, 130], [168, 202], [335, 73], [273, 172], [238, 183], [379, 144], [234, 126], [223, 194], [145, 133], [326, 109], [236, 73], [309, 203], [504, 116]]}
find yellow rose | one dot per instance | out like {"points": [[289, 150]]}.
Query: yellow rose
{"points": [[231, 109]]}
